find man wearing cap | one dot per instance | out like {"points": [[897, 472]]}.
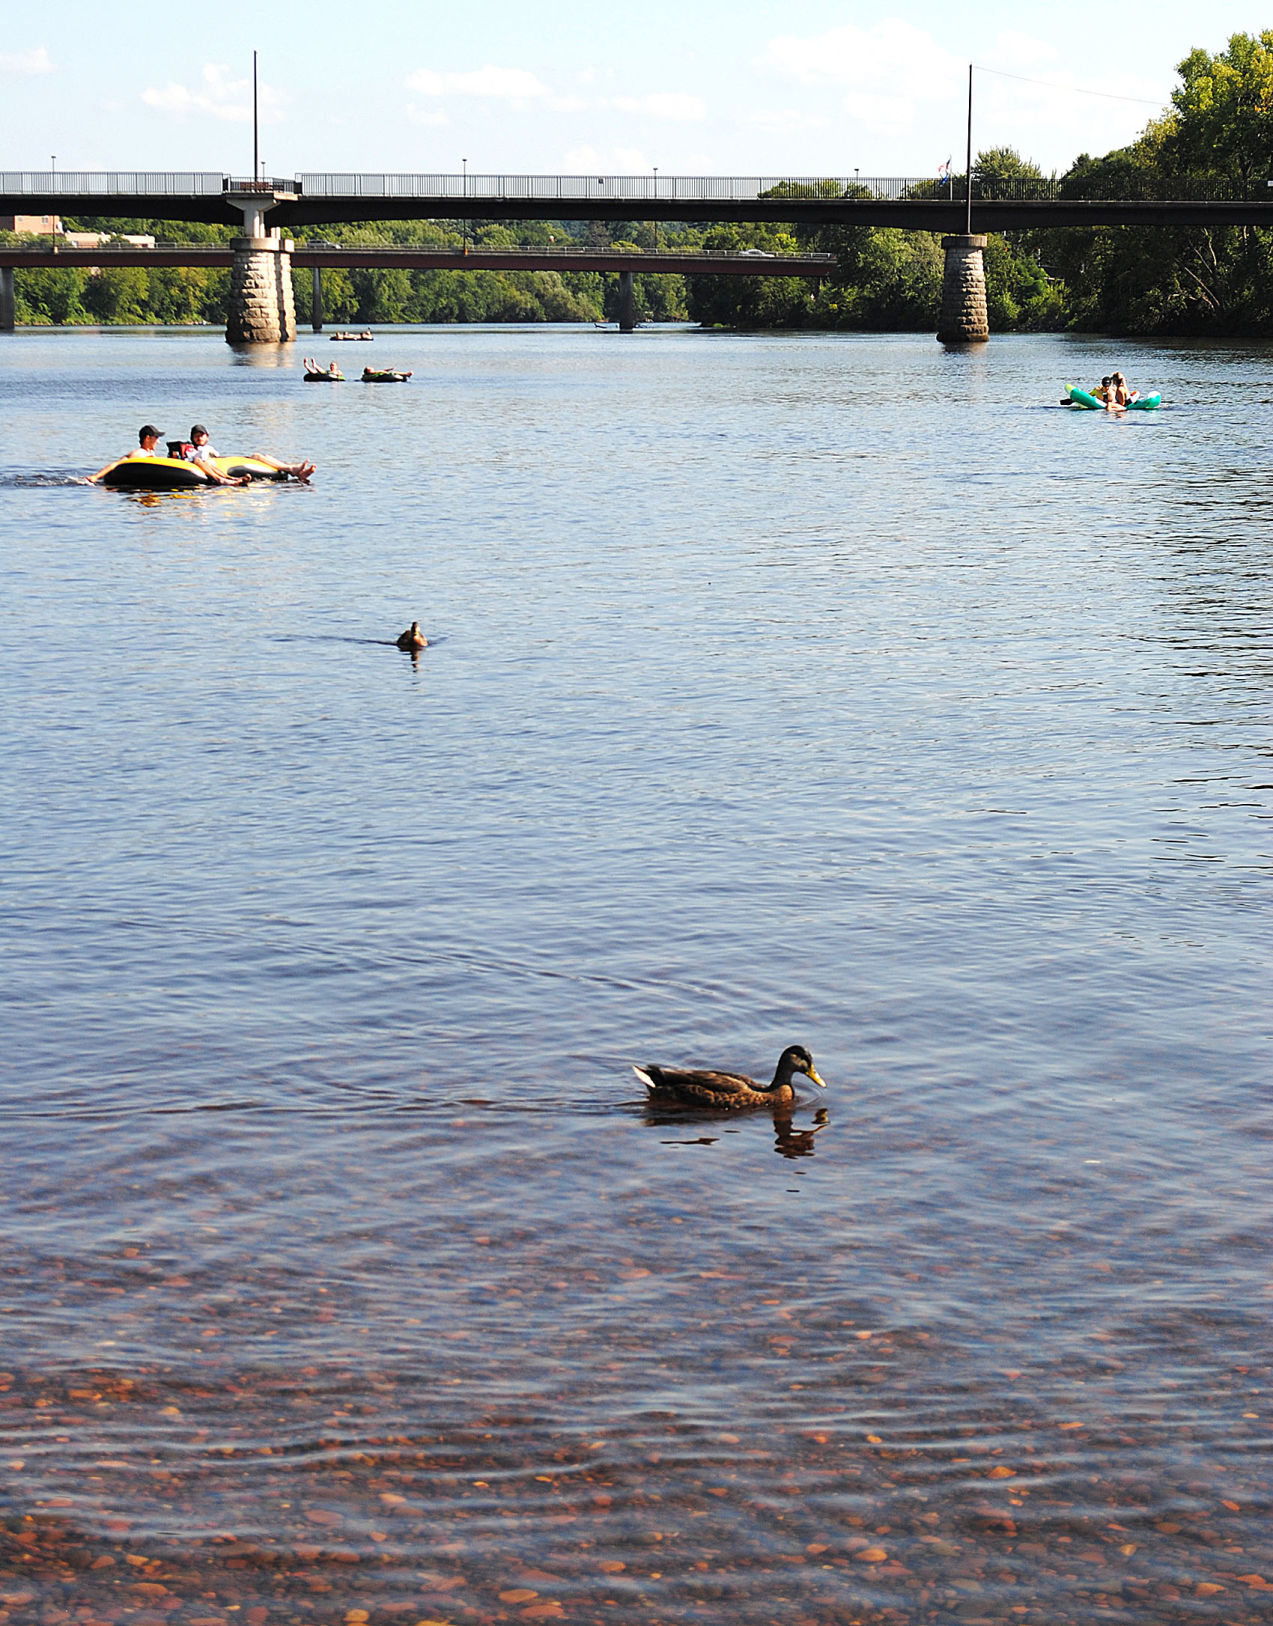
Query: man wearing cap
{"points": [[148, 438]]}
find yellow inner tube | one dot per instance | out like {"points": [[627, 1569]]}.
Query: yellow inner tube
{"points": [[175, 474]]}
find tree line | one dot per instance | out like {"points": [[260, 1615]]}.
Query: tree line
{"points": [[1216, 140]]}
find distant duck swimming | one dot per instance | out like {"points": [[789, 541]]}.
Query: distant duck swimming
{"points": [[412, 638], [677, 1087]]}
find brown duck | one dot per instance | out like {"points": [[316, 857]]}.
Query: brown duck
{"points": [[682, 1087], [412, 638]]}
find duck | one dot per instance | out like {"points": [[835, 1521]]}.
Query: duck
{"points": [[412, 638], [686, 1087]]}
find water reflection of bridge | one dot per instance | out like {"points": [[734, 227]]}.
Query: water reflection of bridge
{"points": [[270, 209]]}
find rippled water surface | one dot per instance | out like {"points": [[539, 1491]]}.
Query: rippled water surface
{"points": [[812, 689]]}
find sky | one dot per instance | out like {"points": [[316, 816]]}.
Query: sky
{"points": [[700, 87]]}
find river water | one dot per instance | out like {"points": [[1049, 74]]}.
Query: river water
{"points": [[818, 689]]}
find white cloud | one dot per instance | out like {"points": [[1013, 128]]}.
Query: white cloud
{"points": [[504, 84], [888, 71], [220, 97], [663, 105], [26, 62]]}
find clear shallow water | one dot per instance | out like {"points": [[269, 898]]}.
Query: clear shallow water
{"points": [[815, 689]]}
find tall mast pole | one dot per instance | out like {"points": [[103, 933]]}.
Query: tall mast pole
{"points": [[256, 129], [968, 216]]}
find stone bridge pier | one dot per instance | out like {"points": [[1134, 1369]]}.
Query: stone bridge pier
{"points": [[262, 306], [963, 317]]}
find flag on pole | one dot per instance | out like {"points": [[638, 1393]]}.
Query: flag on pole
{"points": [[943, 173]]}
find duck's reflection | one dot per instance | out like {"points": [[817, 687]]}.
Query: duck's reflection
{"points": [[790, 1140]]}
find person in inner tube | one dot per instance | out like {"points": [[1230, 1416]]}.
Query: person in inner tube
{"points": [[201, 453], [148, 438]]}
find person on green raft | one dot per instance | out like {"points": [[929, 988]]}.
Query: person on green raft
{"points": [[1114, 393], [202, 453]]}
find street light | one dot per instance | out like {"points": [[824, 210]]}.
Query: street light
{"points": [[52, 212], [464, 229], [656, 199]]}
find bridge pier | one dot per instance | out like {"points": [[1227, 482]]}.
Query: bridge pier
{"points": [[627, 301], [8, 300], [316, 299], [963, 291], [262, 308]]}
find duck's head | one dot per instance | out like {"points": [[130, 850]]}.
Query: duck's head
{"points": [[796, 1059]]}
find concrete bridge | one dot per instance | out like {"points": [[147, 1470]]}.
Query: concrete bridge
{"points": [[320, 256], [268, 209]]}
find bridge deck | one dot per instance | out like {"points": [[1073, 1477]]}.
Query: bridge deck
{"points": [[703, 262], [315, 199]]}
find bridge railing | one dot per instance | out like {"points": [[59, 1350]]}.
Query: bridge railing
{"points": [[122, 181], [564, 251], [263, 183], [647, 190], [681, 189], [581, 188]]}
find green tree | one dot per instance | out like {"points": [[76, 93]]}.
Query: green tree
{"points": [[118, 294], [1224, 107], [731, 300], [1214, 142], [183, 295], [48, 297], [1001, 172], [885, 279], [383, 295]]}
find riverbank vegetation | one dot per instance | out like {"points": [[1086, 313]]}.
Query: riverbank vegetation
{"points": [[1214, 141]]}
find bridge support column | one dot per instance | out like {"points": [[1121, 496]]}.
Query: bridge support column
{"points": [[262, 308], [627, 301], [8, 300], [316, 299], [963, 291]]}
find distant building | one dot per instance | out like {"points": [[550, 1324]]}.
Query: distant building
{"points": [[95, 239], [39, 225]]}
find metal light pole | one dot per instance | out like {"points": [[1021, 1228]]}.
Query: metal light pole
{"points": [[53, 211], [256, 128], [464, 172], [968, 215], [656, 200]]}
